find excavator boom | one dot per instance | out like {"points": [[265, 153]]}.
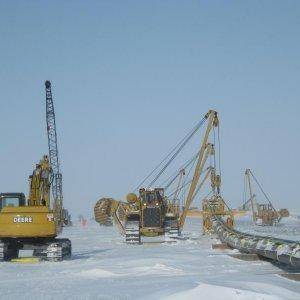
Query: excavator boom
{"points": [[34, 224]]}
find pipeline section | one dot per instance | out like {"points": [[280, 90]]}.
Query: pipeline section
{"points": [[278, 250]]}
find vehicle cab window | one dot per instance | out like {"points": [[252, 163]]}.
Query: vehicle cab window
{"points": [[11, 201]]}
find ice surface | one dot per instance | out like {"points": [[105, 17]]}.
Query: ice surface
{"points": [[103, 267]]}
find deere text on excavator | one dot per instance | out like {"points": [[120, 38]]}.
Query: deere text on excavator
{"points": [[34, 224]]}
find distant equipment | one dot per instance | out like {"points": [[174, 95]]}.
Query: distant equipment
{"points": [[263, 214]]}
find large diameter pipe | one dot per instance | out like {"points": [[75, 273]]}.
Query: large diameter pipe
{"points": [[283, 251]]}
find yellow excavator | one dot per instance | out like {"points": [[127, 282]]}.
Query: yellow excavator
{"points": [[33, 224], [151, 213]]}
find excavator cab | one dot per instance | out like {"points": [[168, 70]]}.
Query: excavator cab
{"points": [[12, 200]]}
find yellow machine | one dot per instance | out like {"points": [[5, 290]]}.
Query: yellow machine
{"points": [[102, 212], [33, 224], [149, 214], [214, 205], [263, 214], [20, 219], [152, 213]]}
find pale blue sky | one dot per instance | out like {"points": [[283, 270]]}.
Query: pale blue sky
{"points": [[130, 78]]}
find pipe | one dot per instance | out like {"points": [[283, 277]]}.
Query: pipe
{"points": [[283, 251]]}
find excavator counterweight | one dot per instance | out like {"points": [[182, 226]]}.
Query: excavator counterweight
{"points": [[34, 223]]}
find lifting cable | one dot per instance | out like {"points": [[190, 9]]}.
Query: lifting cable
{"points": [[219, 150], [177, 152], [186, 183], [200, 183], [214, 153], [176, 174], [245, 192], [260, 187], [183, 186], [180, 146], [171, 181]]}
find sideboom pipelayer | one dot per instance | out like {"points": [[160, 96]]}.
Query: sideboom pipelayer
{"points": [[152, 213], [34, 223], [136, 217]]}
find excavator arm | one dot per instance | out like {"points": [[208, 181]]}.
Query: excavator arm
{"points": [[40, 183]]}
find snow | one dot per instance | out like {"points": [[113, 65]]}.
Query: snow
{"points": [[288, 228], [103, 267], [219, 292]]}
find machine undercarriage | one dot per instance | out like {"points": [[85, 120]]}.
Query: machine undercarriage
{"points": [[151, 213], [56, 249], [33, 224]]}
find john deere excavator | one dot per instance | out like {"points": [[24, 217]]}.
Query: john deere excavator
{"points": [[34, 223], [151, 213]]}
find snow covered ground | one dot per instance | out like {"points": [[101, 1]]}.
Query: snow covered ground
{"points": [[288, 228], [103, 267]]}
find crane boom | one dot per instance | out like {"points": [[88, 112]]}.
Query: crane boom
{"points": [[263, 213], [53, 154], [205, 150], [35, 224], [253, 205], [181, 174]]}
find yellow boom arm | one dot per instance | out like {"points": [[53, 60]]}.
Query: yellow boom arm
{"points": [[205, 150], [39, 189]]}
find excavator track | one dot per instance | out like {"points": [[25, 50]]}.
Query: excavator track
{"points": [[132, 232], [7, 252], [171, 229], [54, 250], [58, 250]]}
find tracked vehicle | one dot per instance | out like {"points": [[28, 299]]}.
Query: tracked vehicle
{"points": [[263, 214], [34, 223], [150, 215]]}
